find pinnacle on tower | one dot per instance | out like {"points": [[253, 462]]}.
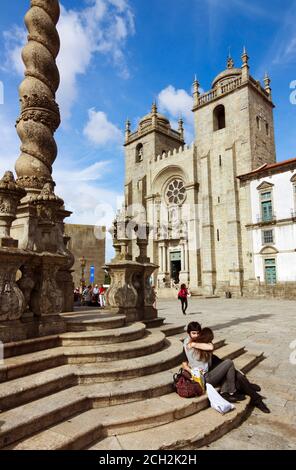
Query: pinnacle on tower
{"points": [[245, 65], [180, 127], [127, 129], [196, 92], [267, 82], [127, 125], [195, 84], [245, 57]]}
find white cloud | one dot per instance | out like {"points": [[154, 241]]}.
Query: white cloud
{"points": [[94, 172], [178, 103], [103, 27], [14, 41], [10, 144], [100, 131], [90, 204]]}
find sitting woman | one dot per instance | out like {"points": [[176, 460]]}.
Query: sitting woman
{"points": [[199, 355], [218, 371]]}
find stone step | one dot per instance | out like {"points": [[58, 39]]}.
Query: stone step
{"points": [[149, 344], [117, 335], [248, 361], [131, 418], [27, 364], [230, 351], [16, 392], [94, 321], [191, 432], [154, 322], [167, 358], [81, 431], [32, 387], [32, 417], [30, 345], [171, 329], [20, 366]]}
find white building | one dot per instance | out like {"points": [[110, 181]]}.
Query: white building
{"points": [[272, 228]]}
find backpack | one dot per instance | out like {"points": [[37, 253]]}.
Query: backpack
{"points": [[185, 387]]}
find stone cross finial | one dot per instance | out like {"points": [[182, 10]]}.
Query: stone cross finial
{"points": [[230, 62], [154, 108], [40, 115]]}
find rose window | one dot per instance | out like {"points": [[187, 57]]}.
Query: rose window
{"points": [[176, 192]]}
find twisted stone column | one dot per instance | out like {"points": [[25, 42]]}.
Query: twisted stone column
{"points": [[40, 115]]}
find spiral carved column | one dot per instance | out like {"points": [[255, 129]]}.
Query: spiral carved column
{"points": [[40, 115]]}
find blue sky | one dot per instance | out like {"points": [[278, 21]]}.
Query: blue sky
{"points": [[119, 55]]}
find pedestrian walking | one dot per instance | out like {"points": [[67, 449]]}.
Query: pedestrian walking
{"points": [[183, 295]]}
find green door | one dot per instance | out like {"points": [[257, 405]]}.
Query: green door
{"points": [[270, 271], [266, 211]]}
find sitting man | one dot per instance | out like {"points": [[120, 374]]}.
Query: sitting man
{"points": [[219, 372]]}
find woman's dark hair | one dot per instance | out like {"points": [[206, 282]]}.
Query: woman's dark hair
{"points": [[183, 286], [193, 326], [205, 336]]}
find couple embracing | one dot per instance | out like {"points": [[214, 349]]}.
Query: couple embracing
{"points": [[198, 347]]}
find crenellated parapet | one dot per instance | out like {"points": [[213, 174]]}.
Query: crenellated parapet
{"points": [[40, 116], [177, 152]]}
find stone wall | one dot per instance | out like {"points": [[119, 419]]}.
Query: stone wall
{"points": [[84, 243]]}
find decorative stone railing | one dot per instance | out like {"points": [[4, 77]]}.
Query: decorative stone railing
{"points": [[147, 128], [228, 87], [207, 97], [231, 85]]}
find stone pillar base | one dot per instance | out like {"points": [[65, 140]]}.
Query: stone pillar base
{"points": [[130, 292], [29, 328]]}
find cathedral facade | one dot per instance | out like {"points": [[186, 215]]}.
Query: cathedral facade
{"points": [[192, 196]]}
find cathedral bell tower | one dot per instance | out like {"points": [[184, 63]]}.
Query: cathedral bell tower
{"points": [[153, 136], [234, 135]]}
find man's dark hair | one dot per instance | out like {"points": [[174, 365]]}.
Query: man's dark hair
{"points": [[193, 326]]}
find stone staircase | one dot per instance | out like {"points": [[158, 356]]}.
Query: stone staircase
{"points": [[105, 384]]}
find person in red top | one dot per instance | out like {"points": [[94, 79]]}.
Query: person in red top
{"points": [[102, 291], [182, 296]]}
